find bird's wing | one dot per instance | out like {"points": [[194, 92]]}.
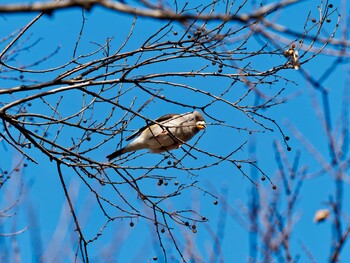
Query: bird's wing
{"points": [[160, 119], [166, 117]]}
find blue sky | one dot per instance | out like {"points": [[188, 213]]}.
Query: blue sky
{"points": [[42, 205]]}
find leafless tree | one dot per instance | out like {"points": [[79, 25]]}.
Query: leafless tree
{"points": [[74, 111]]}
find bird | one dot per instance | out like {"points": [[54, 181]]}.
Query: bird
{"points": [[166, 133]]}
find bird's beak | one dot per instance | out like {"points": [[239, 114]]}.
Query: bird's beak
{"points": [[201, 125]]}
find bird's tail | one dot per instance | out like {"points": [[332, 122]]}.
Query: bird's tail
{"points": [[115, 154]]}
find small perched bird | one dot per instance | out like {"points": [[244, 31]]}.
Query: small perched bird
{"points": [[169, 132]]}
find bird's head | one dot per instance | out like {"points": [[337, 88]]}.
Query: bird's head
{"points": [[200, 122]]}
